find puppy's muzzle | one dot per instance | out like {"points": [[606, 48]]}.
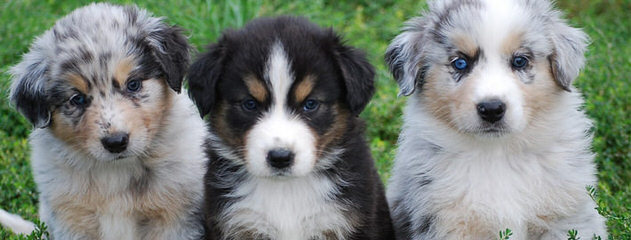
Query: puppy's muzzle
{"points": [[116, 143], [280, 158], [492, 110]]}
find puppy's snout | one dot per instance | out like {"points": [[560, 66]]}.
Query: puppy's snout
{"points": [[116, 143], [492, 110], [280, 158]]}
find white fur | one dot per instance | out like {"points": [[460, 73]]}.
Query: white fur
{"points": [[178, 163], [287, 209], [278, 129], [16, 223]]}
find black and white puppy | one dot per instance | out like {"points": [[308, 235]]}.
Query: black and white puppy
{"points": [[288, 156], [494, 136], [117, 152]]}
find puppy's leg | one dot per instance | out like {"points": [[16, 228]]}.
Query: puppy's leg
{"points": [[16, 223], [586, 221]]}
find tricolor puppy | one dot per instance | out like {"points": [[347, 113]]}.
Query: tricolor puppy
{"points": [[494, 136], [288, 158], [117, 152]]}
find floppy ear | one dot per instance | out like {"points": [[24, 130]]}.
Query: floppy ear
{"points": [[568, 56], [28, 90], [203, 76], [405, 57], [358, 74], [171, 50]]}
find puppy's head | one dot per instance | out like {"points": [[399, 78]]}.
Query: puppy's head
{"points": [[487, 67], [101, 79], [281, 93]]}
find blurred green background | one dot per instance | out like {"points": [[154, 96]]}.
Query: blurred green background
{"points": [[366, 24]]}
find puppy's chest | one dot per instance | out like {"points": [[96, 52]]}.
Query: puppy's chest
{"points": [[302, 209], [504, 185], [116, 209]]}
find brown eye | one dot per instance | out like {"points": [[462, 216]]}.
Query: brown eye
{"points": [[134, 85]]}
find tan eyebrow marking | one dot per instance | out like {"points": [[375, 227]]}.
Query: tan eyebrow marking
{"points": [[304, 88], [466, 45], [78, 82], [256, 88], [121, 73]]}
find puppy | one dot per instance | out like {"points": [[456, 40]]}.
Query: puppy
{"points": [[116, 153], [493, 135], [288, 158]]}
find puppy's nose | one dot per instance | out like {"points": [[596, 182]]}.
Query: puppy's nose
{"points": [[280, 158], [492, 110], [116, 143]]}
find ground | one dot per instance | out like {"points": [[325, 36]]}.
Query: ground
{"points": [[369, 25]]}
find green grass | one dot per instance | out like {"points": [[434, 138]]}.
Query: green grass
{"points": [[369, 25]]}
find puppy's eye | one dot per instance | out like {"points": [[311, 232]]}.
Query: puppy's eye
{"points": [[310, 105], [249, 105], [460, 64], [519, 62], [78, 100], [134, 85]]}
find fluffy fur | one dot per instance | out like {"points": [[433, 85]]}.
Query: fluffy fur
{"points": [[117, 152], [285, 87], [459, 176]]}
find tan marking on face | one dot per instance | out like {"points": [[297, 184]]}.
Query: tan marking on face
{"points": [[141, 118], [78, 82], [122, 70], [335, 132], [512, 42], [445, 101], [541, 94], [465, 44], [155, 109], [256, 88], [304, 88], [223, 130]]}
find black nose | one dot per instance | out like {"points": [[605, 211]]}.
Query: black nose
{"points": [[280, 158], [116, 143], [491, 111]]}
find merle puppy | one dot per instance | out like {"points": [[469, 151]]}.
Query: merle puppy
{"points": [[288, 158]]}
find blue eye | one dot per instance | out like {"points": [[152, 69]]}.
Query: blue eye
{"points": [[519, 62], [78, 100], [134, 85], [460, 64], [249, 105], [310, 105]]}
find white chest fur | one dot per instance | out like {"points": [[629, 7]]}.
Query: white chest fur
{"points": [[301, 208]]}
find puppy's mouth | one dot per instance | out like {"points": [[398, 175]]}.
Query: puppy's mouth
{"points": [[492, 130]]}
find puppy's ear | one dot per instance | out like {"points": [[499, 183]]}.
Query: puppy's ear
{"points": [[28, 89], [358, 74], [568, 56], [171, 50], [405, 58], [203, 76]]}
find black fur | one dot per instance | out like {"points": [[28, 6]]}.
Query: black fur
{"points": [[172, 55], [344, 80], [30, 101]]}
